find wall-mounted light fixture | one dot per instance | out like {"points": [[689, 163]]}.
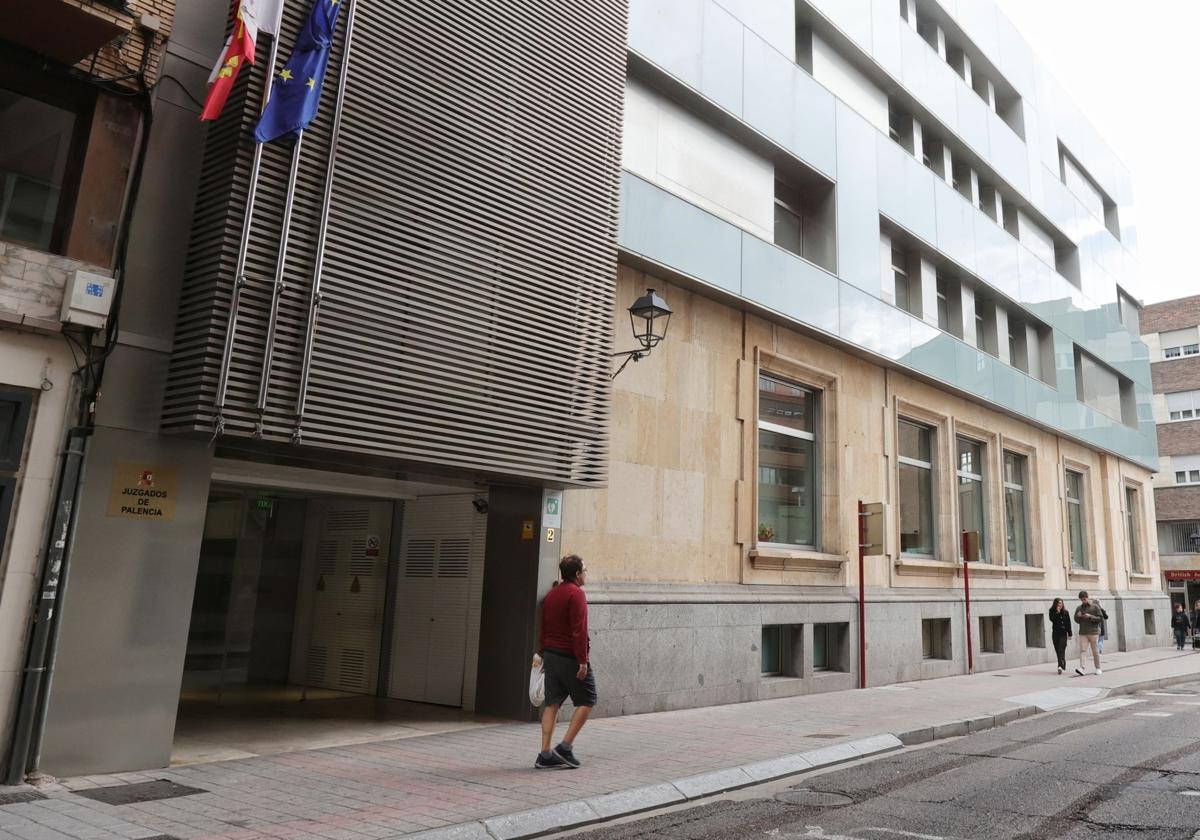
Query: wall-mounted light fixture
{"points": [[648, 317]]}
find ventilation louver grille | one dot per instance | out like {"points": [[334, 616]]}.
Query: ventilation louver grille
{"points": [[471, 259], [454, 557], [419, 561]]}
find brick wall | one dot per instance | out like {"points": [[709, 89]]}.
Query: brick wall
{"points": [[1174, 504], [1175, 375], [1179, 438], [120, 59], [1171, 315]]}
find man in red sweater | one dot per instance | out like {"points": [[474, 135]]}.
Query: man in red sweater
{"points": [[564, 646]]}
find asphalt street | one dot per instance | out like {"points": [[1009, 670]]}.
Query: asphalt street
{"points": [[1123, 767]]}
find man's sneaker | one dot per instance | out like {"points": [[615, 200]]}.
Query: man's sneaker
{"points": [[1060, 670], [1079, 671], [550, 760], [567, 753], [1098, 672]]}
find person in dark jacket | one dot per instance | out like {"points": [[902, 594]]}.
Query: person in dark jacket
{"points": [[1181, 625], [1060, 631]]}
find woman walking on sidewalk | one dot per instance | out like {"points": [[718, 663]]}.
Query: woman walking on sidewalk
{"points": [[1181, 625], [1060, 631]]}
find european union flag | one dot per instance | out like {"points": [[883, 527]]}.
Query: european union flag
{"points": [[296, 92]]}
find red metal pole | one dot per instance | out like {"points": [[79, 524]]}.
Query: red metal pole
{"points": [[862, 600], [967, 595]]}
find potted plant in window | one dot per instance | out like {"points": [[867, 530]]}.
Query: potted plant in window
{"points": [[766, 532]]}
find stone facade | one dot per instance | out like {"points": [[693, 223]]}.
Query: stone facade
{"points": [[1169, 315], [681, 590], [31, 286]]}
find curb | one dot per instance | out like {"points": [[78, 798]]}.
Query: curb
{"points": [[623, 803], [564, 816]]}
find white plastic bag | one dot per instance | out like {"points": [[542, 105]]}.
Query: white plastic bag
{"points": [[537, 682]]}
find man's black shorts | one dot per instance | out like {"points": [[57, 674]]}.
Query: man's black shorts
{"points": [[561, 680]]}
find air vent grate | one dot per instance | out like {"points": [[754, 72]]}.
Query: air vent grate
{"points": [[454, 558], [418, 560]]}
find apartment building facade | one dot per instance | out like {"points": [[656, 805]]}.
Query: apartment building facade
{"points": [[1171, 331], [903, 272]]}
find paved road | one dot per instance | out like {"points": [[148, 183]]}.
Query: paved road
{"points": [[1125, 767]]}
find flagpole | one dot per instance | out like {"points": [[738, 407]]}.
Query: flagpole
{"points": [[314, 295], [285, 227], [239, 272]]}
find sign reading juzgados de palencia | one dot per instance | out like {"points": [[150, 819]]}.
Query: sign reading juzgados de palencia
{"points": [[143, 491]]}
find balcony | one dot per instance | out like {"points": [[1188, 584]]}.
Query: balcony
{"points": [[65, 30]]}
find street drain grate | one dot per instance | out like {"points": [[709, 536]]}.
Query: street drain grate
{"points": [[138, 792], [814, 798], [19, 796], [824, 735]]}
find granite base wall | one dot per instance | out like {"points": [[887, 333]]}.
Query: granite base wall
{"points": [[659, 655]]}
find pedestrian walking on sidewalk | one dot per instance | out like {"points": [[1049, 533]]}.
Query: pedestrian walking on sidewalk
{"points": [[1060, 631], [1103, 625], [564, 646], [1181, 625], [1088, 616]]}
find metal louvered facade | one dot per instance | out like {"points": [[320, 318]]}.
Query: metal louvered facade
{"points": [[467, 291]]}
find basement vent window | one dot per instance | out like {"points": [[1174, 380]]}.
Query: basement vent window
{"points": [[935, 638], [1035, 631], [991, 634], [831, 647]]}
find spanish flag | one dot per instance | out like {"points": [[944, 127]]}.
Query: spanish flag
{"points": [[249, 18]]}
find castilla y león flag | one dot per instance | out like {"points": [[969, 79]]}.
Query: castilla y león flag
{"points": [[250, 17]]}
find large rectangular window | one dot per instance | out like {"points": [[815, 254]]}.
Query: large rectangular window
{"points": [[804, 218], [1076, 543], [1015, 508], [788, 500], [1102, 388], [1133, 528], [915, 469], [970, 491]]}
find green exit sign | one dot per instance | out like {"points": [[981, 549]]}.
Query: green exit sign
{"points": [[265, 504]]}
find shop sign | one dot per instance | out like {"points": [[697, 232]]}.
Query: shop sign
{"points": [[143, 491], [1182, 574]]}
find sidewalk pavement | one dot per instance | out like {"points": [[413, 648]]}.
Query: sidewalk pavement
{"points": [[479, 784]]}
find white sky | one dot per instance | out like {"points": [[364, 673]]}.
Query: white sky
{"points": [[1132, 68]]}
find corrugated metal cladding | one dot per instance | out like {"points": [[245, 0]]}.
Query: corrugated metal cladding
{"points": [[471, 259]]}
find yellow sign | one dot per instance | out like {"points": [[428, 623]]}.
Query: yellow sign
{"points": [[527, 529], [550, 534], [143, 491]]}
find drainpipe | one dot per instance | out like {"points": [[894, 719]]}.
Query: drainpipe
{"points": [[31, 707]]}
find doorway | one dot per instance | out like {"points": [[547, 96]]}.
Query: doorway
{"points": [[308, 630]]}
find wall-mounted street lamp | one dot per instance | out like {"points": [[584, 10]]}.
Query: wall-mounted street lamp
{"points": [[649, 317]]}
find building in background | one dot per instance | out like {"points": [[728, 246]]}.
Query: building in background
{"points": [[1171, 330], [74, 115], [902, 267]]}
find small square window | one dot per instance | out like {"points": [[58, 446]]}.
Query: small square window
{"points": [[1035, 631], [831, 647], [935, 638], [779, 643], [1180, 476]]}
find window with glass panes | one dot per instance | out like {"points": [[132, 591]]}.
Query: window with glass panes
{"points": [[1075, 519], [1132, 529], [15, 405], [915, 478], [1183, 405], [776, 650], [970, 491], [1015, 508], [788, 496]]}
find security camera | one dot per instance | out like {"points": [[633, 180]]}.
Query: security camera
{"points": [[481, 505]]}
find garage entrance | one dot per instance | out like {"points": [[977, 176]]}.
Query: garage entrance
{"points": [[320, 620]]}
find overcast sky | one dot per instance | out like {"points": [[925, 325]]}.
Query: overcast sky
{"points": [[1132, 68]]}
